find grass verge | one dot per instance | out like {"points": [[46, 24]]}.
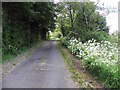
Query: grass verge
{"points": [[80, 76], [8, 66], [9, 57]]}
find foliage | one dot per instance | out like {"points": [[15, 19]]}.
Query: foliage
{"points": [[97, 35], [100, 58], [56, 34], [80, 20], [24, 24]]}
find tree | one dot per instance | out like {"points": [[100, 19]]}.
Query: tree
{"points": [[45, 22], [24, 23], [80, 18]]}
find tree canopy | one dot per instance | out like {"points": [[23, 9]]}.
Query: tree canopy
{"points": [[79, 19], [25, 23]]}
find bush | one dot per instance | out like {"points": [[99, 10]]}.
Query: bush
{"points": [[97, 35], [100, 58]]}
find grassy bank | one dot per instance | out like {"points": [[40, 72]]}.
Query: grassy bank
{"points": [[82, 78], [9, 57], [99, 58]]}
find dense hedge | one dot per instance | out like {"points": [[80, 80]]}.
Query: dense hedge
{"points": [[24, 24]]}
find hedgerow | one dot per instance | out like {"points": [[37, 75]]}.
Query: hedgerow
{"points": [[100, 58]]}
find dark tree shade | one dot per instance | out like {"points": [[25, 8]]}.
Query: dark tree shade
{"points": [[25, 23]]}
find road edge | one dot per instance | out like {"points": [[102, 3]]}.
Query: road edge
{"points": [[8, 66], [79, 76]]}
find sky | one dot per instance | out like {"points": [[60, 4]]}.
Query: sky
{"points": [[111, 18]]}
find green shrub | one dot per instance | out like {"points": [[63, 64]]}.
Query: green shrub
{"points": [[97, 35], [100, 58]]}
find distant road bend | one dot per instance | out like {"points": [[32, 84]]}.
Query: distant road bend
{"points": [[45, 68]]}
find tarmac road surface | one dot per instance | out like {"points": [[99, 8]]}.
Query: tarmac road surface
{"points": [[44, 69]]}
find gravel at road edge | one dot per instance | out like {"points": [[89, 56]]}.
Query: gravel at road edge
{"points": [[10, 65]]}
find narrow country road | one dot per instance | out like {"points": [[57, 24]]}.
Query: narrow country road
{"points": [[44, 69]]}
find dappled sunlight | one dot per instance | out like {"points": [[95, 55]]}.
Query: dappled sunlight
{"points": [[55, 35]]}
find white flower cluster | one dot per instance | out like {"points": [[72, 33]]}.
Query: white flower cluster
{"points": [[104, 53], [99, 57]]}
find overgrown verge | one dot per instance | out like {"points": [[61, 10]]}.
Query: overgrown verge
{"points": [[8, 65], [9, 56], [99, 58], [81, 77]]}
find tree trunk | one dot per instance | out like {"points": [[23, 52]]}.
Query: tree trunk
{"points": [[43, 34], [71, 17]]}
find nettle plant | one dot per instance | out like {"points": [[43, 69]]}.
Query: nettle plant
{"points": [[100, 58]]}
